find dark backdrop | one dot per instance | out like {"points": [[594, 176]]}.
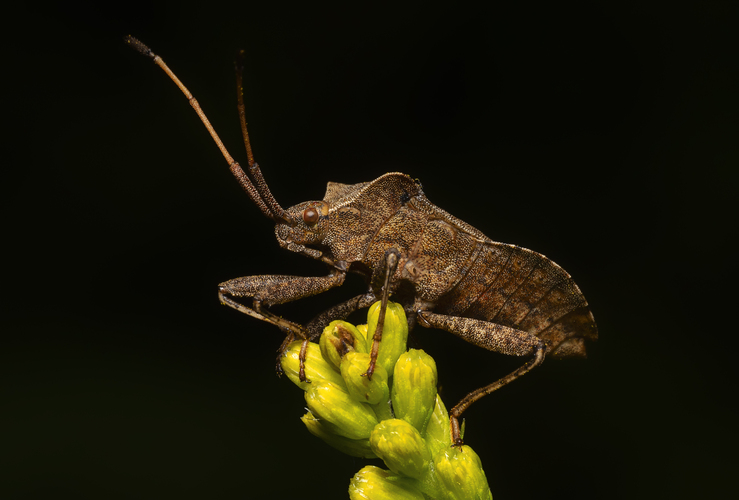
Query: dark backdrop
{"points": [[602, 136]]}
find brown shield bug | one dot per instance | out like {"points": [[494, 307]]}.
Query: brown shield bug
{"points": [[446, 273]]}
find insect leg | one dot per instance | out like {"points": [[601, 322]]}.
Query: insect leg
{"points": [[491, 336], [391, 263], [267, 290], [340, 311]]}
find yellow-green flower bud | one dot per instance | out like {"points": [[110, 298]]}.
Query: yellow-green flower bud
{"points": [[338, 338], [383, 409], [459, 473], [316, 368], [373, 483], [353, 447], [363, 330], [401, 447], [333, 404], [414, 388], [353, 367], [438, 435], [394, 333]]}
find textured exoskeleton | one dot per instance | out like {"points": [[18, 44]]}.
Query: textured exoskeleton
{"points": [[446, 273]]}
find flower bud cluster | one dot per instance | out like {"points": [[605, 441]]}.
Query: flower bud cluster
{"points": [[394, 415]]}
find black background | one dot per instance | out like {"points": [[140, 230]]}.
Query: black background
{"points": [[604, 136]]}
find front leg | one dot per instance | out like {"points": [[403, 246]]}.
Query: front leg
{"points": [[267, 290], [493, 337]]}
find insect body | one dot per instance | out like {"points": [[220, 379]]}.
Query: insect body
{"points": [[446, 273]]}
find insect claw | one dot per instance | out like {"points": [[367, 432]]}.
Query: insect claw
{"points": [[278, 368], [370, 370]]}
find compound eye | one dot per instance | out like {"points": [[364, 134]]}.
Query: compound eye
{"points": [[310, 216]]}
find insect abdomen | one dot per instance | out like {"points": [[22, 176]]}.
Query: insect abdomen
{"points": [[516, 287]]}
